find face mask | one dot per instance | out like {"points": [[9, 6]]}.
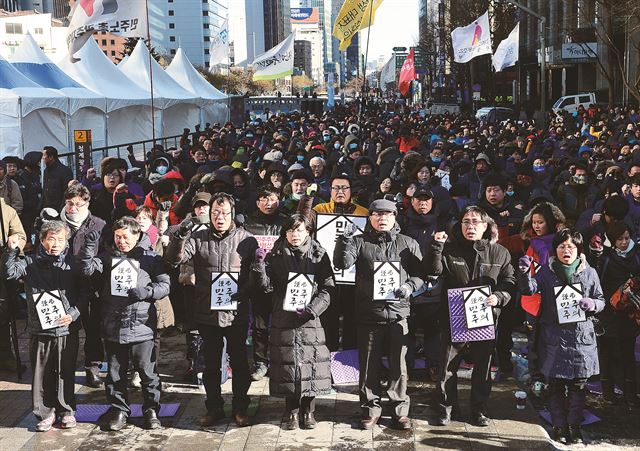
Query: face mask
{"points": [[509, 193], [162, 170], [296, 196], [580, 179], [300, 157], [326, 138], [538, 169], [249, 136], [337, 146], [436, 160]]}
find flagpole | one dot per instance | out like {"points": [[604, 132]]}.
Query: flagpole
{"points": [[153, 115], [366, 57], [228, 70]]}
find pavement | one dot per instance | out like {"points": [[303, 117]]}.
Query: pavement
{"points": [[337, 416]]}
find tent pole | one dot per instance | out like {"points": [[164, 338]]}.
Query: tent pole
{"points": [[153, 117]]}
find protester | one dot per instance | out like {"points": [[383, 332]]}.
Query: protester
{"points": [[55, 180]]}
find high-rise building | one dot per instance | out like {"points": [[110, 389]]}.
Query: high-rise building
{"points": [[48, 32], [246, 31], [302, 57], [325, 23], [306, 24], [59, 9], [10, 5], [277, 21]]}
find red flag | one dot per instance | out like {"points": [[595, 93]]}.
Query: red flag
{"points": [[407, 74]]}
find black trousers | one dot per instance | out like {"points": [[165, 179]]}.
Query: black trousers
{"points": [[510, 317], [618, 362], [447, 388], [567, 398], [53, 360], [306, 404], [261, 309], [144, 361], [374, 341], [212, 348], [93, 347], [344, 304], [425, 317]]}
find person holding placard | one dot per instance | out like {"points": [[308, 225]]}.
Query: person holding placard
{"points": [[221, 257], [472, 258], [297, 273], [54, 303], [566, 342], [388, 270], [131, 278]]}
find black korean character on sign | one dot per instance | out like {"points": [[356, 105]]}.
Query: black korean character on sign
{"points": [[134, 24], [115, 27], [125, 25]]}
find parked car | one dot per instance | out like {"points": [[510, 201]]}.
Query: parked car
{"points": [[571, 103], [495, 114]]}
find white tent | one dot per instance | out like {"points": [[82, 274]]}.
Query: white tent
{"points": [[31, 116], [86, 108], [128, 106], [181, 109], [215, 106]]}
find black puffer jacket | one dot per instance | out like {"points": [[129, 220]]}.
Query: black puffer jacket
{"points": [[261, 224], [372, 246], [211, 252], [492, 266], [125, 320], [45, 274], [300, 362], [55, 182], [421, 227]]}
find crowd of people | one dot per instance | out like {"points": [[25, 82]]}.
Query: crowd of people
{"points": [[531, 227]]}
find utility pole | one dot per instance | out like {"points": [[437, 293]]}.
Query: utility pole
{"points": [[542, 21]]}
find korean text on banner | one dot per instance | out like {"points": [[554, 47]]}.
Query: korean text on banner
{"points": [[276, 63], [354, 16], [219, 48], [472, 40]]}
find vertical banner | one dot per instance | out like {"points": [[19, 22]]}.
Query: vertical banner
{"points": [[507, 52], [472, 40]]}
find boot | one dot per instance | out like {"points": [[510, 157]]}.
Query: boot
{"points": [[292, 422], [574, 435], [92, 377], [558, 434], [608, 392]]}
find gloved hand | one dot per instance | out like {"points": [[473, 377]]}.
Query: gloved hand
{"points": [[349, 230], [596, 243], [195, 184], [403, 292], [634, 301], [140, 294], [164, 206], [587, 304], [261, 254], [185, 228], [304, 315], [312, 189], [524, 264]]}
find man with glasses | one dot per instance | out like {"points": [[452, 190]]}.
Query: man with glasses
{"points": [[388, 270], [344, 302], [223, 250], [470, 259], [81, 223]]}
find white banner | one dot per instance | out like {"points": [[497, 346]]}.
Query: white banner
{"points": [[388, 73], [331, 101], [219, 48], [124, 18], [472, 40], [277, 62], [507, 52]]}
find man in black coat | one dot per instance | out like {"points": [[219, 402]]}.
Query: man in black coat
{"points": [[56, 179], [387, 272]]}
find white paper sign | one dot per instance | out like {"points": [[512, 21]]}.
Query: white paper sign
{"points": [[50, 308], [330, 227], [199, 227], [299, 291], [476, 311], [266, 242], [386, 279], [124, 275], [536, 266], [568, 304], [223, 286]]}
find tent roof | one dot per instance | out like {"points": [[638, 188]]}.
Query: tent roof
{"points": [[183, 72], [167, 91], [98, 73], [31, 61], [17, 90]]}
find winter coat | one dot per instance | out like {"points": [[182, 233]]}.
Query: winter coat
{"points": [[492, 267], [509, 225], [421, 227], [572, 198], [55, 182], [363, 250], [125, 320], [299, 361], [211, 252], [260, 224], [30, 189], [566, 351], [48, 274], [12, 224], [10, 192]]}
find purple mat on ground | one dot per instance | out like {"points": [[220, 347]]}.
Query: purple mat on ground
{"points": [[589, 418], [91, 413], [344, 366], [596, 388]]}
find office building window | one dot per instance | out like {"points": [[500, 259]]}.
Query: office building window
{"points": [[207, 39], [113, 42], [113, 53], [205, 13], [172, 38], [104, 42], [38, 31], [173, 51], [13, 28], [206, 51], [172, 25], [171, 12]]}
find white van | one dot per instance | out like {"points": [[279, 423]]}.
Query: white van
{"points": [[571, 103]]}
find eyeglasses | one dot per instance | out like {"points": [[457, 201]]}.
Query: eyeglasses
{"points": [[224, 214], [113, 175], [340, 188], [72, 204], [382, 214], [474, 222], [569, 247]]}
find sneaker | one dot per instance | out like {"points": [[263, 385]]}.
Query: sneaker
{"points": [[136, 382], [259, 372], [45, 425], [68, 421]]}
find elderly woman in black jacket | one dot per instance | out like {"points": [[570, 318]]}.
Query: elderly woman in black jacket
{"points": [[299, 275]]}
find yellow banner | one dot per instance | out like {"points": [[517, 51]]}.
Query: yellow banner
{"points": [[354, 16]]}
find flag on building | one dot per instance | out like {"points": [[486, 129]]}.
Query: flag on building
{"points": [[407, 73], [507, 52], [472, 40], [354, 16], [219, 47], [388, 73], [124, 18], [331, 101], [276, 63]]}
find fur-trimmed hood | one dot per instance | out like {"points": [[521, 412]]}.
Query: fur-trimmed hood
{"points": [[526, 223]]}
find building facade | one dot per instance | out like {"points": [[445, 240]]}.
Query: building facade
{"points": [[306, 24], [48, 33], [277, 21], [246, 31], [302, 57]]}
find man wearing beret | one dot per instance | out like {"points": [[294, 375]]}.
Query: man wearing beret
{"points": [[387, 272]]}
